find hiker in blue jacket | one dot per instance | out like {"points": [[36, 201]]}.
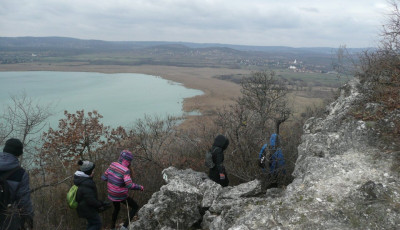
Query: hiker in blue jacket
{"points": [[271, 159], [20, 213]]}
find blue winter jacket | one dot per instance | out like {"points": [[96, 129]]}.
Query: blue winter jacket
{"points": [[277, 159], [19, 183], [277, 162]]}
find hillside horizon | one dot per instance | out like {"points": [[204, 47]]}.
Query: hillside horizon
{"points": [[70, 42], [180, 54]]}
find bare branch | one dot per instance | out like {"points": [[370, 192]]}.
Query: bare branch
{"points": [[50, 184]]}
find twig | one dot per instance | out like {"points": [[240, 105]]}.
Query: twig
{"points": [[48, 185], [59, 225]]}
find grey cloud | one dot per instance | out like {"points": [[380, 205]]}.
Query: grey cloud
{"points": [[309, 9], [252, 22]]}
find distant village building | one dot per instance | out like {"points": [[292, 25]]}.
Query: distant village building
{"points": [[292, 67]]}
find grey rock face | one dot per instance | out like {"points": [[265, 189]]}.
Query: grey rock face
{"points": [[249, 189], [341, 182], [181, 203], [177, 205], [210, 191]]}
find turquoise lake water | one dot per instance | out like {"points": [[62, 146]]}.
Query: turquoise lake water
{"points": [[121, 98]]}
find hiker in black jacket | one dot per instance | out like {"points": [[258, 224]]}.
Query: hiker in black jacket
{"points": [[89, 205], [218, 173], [20, 213]]}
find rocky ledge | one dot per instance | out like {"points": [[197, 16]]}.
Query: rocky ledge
{"points": [[341, 182]]}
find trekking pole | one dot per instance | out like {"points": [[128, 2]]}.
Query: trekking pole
{"points": [[129, 218]]}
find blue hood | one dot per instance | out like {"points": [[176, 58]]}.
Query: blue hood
{"points": [[8, 161], [274, 141]]}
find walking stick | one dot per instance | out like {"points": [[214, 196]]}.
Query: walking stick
{"points": [[129, 218]]}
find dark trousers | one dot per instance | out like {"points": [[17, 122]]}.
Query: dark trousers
{"points": [[214, 175], [134, 207], [94, 223]]}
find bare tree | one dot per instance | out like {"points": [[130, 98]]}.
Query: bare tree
{"points": [[391, 30], [379, 74], [155, 136], [379, 69], [266, 95], [345, 64], [24, 118]]}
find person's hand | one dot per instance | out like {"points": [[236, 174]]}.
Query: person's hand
{"points": [[141, 188], [107, 203], [222, 176], [261, 162], [101, 209]]}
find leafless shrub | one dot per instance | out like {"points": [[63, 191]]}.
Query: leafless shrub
{"points": [[266, 96], [24, 118], [379, 74]]}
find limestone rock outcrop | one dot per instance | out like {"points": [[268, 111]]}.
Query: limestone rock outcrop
{"points": [[341, 182]]}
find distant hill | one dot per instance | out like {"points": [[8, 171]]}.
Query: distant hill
{"points": [[183, 54], [18, 43]]}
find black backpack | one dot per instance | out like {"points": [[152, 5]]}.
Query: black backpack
{"points": [[208, 161], [5, 193]]}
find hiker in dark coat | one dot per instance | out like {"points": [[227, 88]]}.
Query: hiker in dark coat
{"points": [[20, 213], [89, 205], [218, 172]]}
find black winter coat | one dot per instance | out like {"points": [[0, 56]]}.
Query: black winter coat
{"points": [[217, 150], [86, 196], [20, 191]]}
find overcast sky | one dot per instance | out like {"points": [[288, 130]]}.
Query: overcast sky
{"points": [[295, 23]]}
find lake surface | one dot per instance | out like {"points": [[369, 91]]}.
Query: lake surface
{"points": [[121, 98]]}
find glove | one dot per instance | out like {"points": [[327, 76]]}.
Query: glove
{"points": [[141, 188], [106, 205], [101, 209], [261, 162], [222, 176]]}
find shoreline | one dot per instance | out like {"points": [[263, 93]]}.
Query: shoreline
{"points": [[216, 93]]}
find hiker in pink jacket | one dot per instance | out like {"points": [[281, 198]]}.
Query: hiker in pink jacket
{"points": [[119, 182]]}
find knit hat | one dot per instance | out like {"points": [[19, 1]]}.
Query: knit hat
{"points": [[86, 167], [14, 146], [126, 155]]}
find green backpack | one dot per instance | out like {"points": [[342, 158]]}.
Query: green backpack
{"points": [[71, 197]]}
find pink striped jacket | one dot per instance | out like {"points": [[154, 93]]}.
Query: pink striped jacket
{"points": [[119, 180]]}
